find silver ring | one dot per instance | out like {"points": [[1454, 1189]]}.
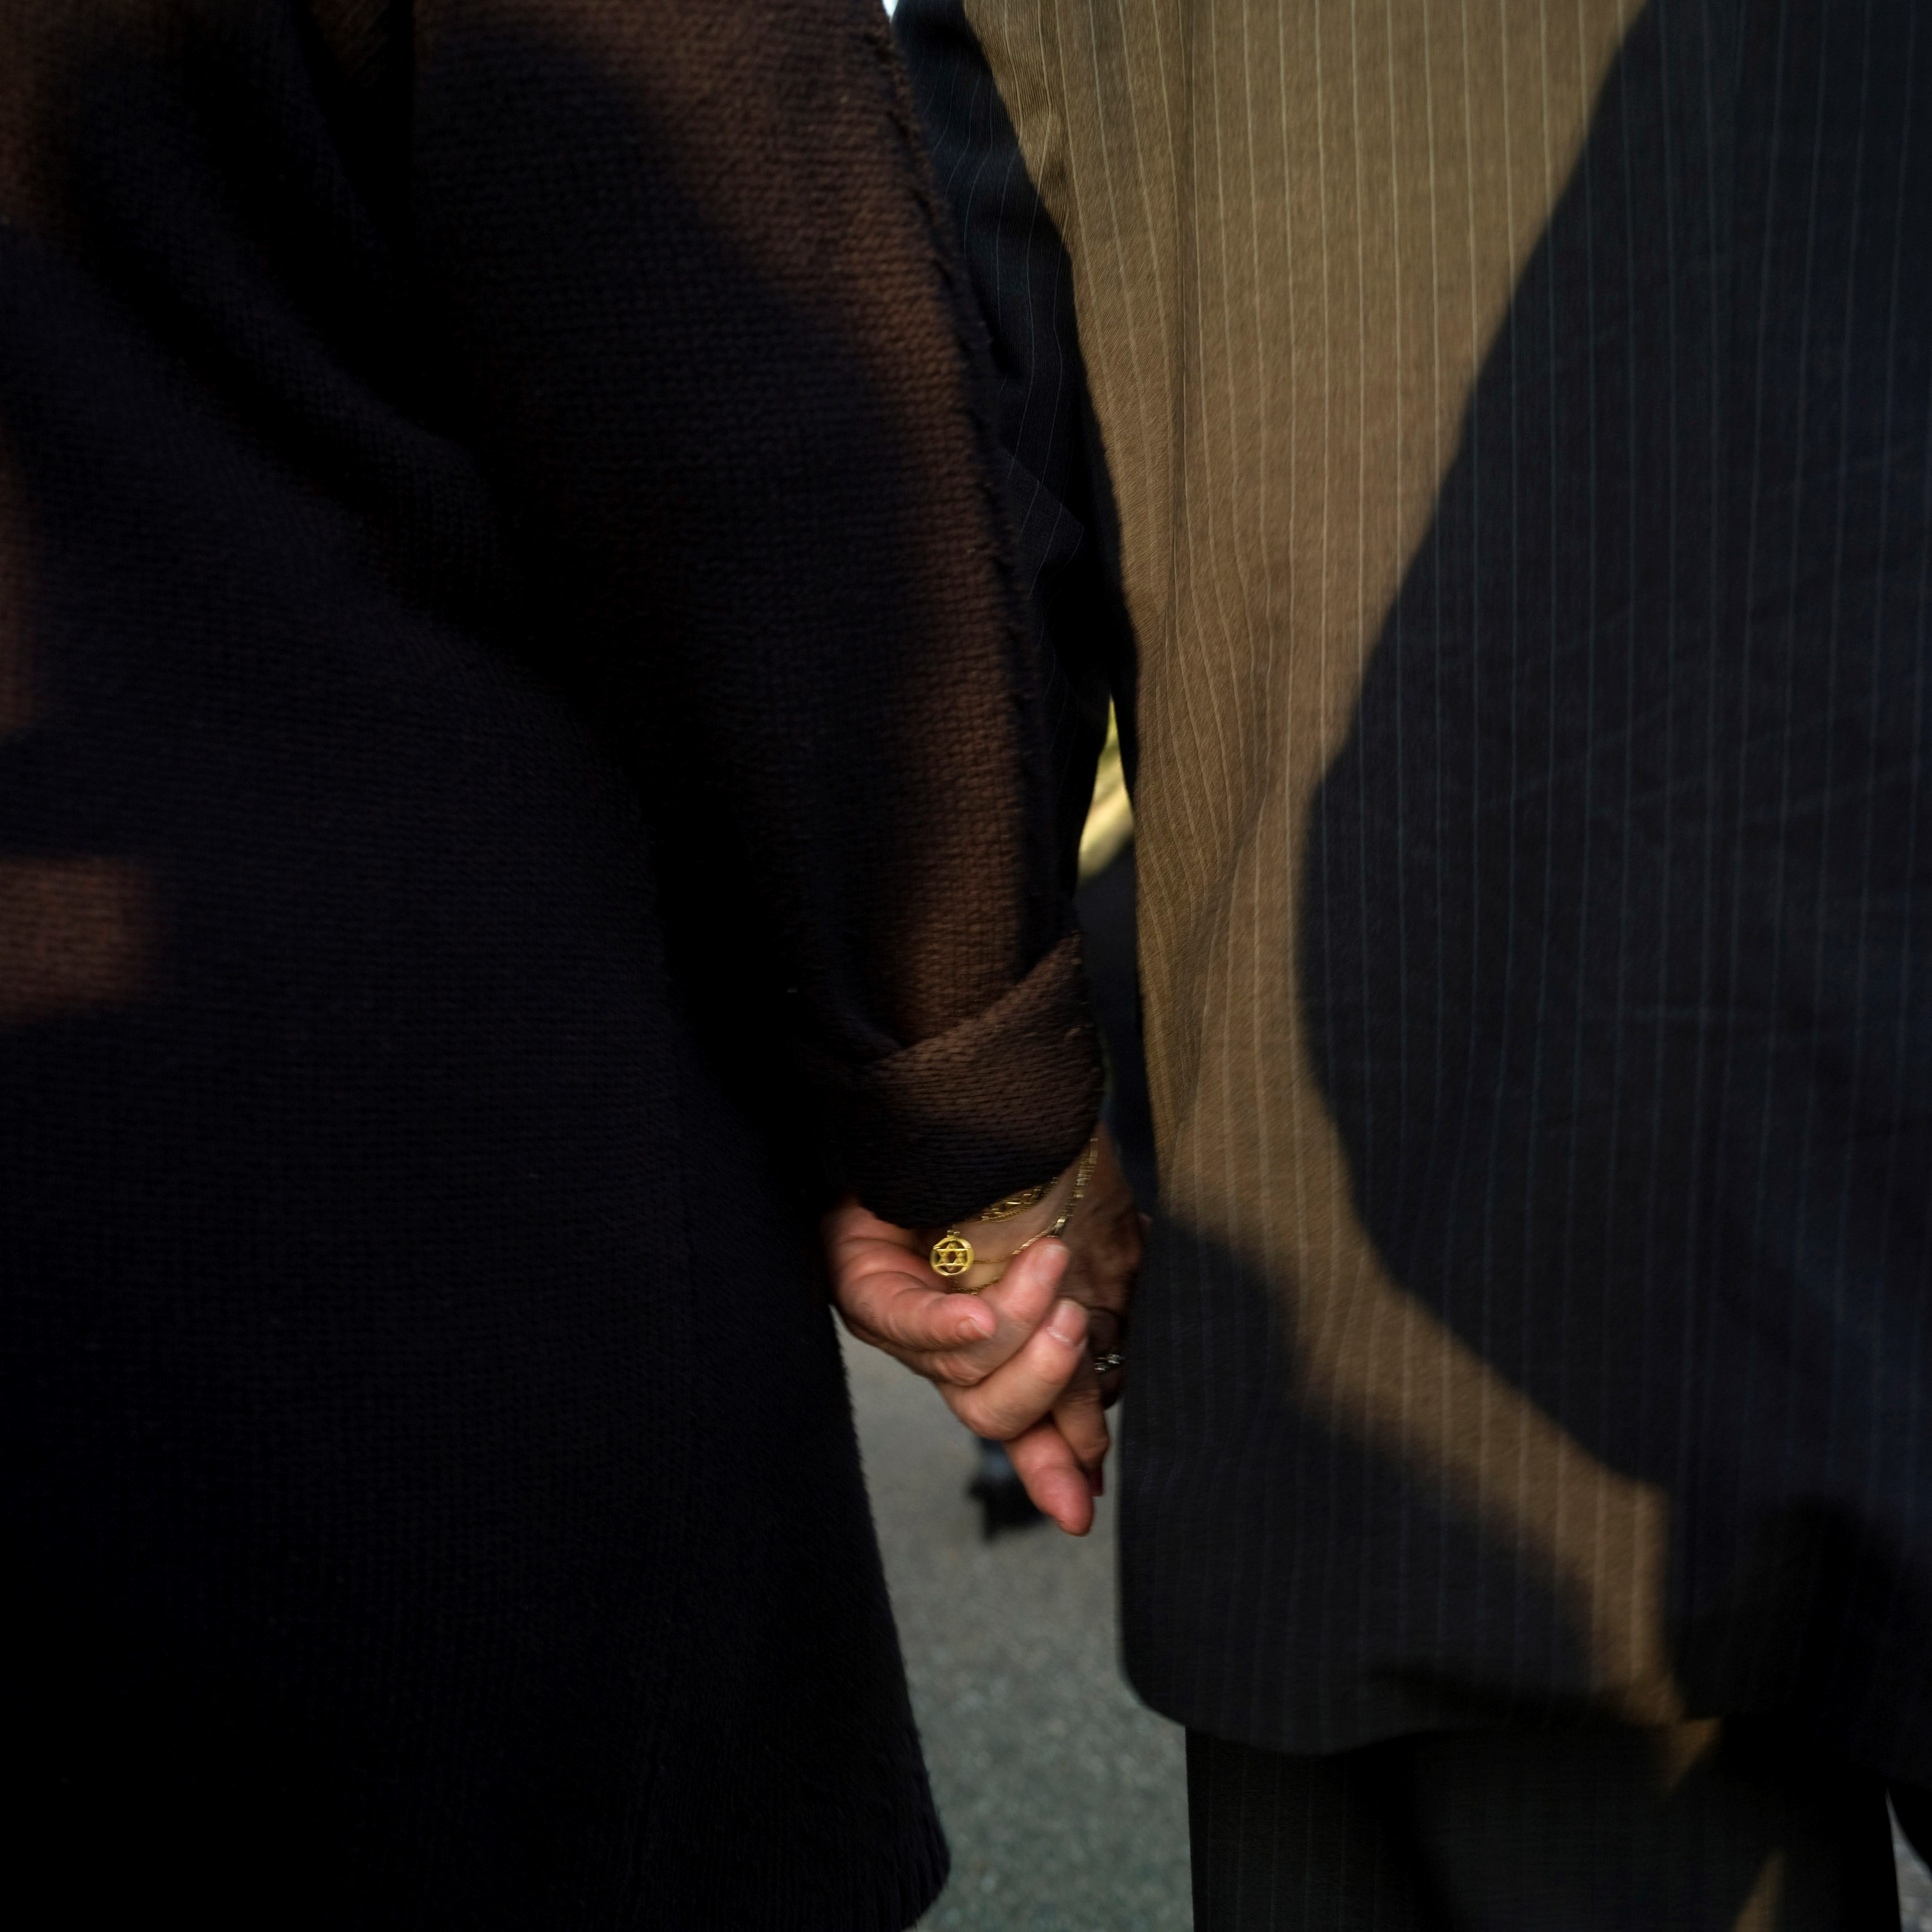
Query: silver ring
{"points": [[1113, 1359]]}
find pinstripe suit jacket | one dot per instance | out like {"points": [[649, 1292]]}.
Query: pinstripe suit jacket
{"points": [[1508, 420]]}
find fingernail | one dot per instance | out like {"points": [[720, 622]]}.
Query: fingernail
{"points": [[1059, 1258], [1068, 1323], [972, 1328]]}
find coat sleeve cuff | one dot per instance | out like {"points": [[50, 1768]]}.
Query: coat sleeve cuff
{"points": [[934, 1131]]}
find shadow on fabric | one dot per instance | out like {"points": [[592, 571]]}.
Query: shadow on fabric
{"points": [[1616, 910]]}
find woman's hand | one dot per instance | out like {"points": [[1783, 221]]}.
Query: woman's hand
{"points": [[1014, 1360]]}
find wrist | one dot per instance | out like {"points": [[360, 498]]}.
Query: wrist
{"points": [[972, 1253]]}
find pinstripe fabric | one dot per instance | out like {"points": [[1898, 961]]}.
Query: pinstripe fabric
{"points": [[1517, 414], [1585, 1828]]}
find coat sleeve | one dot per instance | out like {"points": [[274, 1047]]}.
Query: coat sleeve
{"points": [[1051, 456], [704, 324]]}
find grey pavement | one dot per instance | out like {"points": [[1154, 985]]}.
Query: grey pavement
{"points": [[1915, 1886], [1064, 1798]]}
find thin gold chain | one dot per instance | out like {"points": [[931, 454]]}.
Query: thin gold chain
{"points": [[952, 1254], [1009, 1205]]}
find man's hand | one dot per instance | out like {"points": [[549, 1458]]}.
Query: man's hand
{"points": [[1107, 1235], [1015, 1360]]}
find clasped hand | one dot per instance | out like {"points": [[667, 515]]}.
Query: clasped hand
{"points": [[1014, 1361]]}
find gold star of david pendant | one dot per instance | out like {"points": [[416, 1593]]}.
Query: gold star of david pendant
{"points": [[952, 1254]]}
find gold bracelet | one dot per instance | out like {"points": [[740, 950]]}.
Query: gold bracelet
{"points": [[952, 1253], [1008, 1205]]}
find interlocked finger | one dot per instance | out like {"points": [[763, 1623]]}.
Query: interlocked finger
{"points": [[1053, 1477], [890, 1305], [1018, 1394], [888, 1296]]}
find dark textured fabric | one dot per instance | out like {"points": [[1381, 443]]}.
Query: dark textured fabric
{"points": [[509, 675], [1684, 1830], [1105, 907], [1521, 421], [1069, 535]]}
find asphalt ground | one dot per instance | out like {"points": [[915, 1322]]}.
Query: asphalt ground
{"points": [[1914, 1887], [1063, 1797]]}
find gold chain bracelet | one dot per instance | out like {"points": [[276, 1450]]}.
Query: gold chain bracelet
{"points": [[952, 1253], [1008, 1205]]}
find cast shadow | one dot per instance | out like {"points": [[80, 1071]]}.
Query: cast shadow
{"points": [[1611, 902]]}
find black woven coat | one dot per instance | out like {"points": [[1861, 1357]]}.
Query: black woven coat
{"points": [[517, 771]]}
